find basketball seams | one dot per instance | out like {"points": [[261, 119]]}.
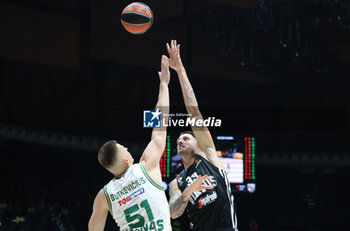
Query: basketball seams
{"points": [[134, 24], [142, 15], [136, 29], [138, 8]]}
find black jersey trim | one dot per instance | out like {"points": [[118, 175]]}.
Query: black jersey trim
{"points": [[230, 198]]}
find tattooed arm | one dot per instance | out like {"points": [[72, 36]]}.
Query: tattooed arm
{"points": [[178, 201], [202, 133], [176, 64]]}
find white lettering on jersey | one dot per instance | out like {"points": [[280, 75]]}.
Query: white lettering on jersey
{"points": [[196, 195]]}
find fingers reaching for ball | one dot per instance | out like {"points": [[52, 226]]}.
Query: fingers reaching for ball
{"points": [[164, 73], [174, 55]]}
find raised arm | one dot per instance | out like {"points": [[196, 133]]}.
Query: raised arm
{"points": [[203, 136], [155, 148], [178, 201], [99, 214]]}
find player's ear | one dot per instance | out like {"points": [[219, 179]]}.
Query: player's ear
{"points": [[125, 161]]}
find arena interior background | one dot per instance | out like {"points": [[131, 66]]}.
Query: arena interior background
{"points": [[71, 77]]}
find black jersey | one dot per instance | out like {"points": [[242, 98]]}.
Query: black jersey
{"points": [[209, 209]]}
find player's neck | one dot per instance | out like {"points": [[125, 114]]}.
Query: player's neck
{"points": [[188, 160], [121, 173]]}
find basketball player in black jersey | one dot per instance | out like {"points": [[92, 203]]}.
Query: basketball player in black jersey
{"points": [[202, 188]]}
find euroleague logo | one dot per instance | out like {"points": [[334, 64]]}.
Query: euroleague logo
{"points": [[132, 196]]}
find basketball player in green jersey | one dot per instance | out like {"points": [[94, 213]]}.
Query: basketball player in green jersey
{"points": [[135, 197]]}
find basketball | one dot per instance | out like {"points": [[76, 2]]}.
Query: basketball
{"points": [[137, 18]]}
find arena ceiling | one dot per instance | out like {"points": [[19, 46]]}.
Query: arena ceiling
{"points": [[68, 66]]}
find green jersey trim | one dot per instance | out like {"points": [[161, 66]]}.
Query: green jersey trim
{"points": [[108, 200], [121, 174], [150, 179]]}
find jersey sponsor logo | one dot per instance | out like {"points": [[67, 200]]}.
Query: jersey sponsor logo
{"points": [[151, 226], [210, 182], [207, 200], [132, 196], [128, 188]]}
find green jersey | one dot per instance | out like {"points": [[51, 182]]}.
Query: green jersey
{"points": [[136, 202]]}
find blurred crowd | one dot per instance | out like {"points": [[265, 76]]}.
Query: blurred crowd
{"points": [[27, 198], [60, 195]]}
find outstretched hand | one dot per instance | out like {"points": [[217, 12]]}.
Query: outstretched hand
{"points": [[174, 55], [164, 73], [197, 184]]}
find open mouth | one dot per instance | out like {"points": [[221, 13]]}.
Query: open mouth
{"points": [[181, 146]]}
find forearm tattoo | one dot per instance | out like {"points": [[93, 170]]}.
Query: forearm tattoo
{"points": [[190, 95], [177, 204]]}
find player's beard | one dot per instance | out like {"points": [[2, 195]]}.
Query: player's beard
{"points": [[186, 151]]}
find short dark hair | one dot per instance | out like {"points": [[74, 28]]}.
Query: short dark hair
{"points": [[107, 153], [187, 132]]}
